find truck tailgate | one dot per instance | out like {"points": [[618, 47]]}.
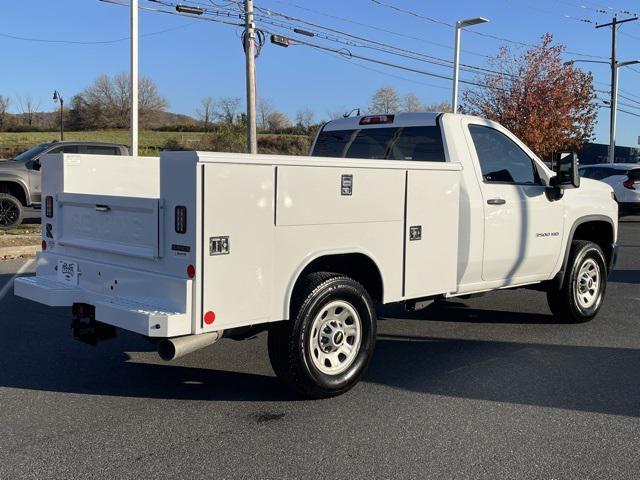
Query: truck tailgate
{"points": [[123, 225]]}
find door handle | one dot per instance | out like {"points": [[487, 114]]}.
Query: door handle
{"points": [[496, 201], [102, 208]]}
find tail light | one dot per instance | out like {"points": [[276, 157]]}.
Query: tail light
{"points": [[629, 183], [48, 206], [181, 219]]}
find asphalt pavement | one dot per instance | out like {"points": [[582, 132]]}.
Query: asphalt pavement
{"points": [[485, 388]]}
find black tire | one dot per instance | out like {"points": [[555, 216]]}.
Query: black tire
{"points": [[564, 302], [291, 343], [11, 211]]}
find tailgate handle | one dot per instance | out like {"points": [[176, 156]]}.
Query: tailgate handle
{"points": [[102, 208]]}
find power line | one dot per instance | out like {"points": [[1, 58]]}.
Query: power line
{"points": [[474, 32], [348, 54], [374, 27], [91, 42], [390, 49]]}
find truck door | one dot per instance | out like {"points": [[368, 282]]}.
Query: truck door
{"points": [[523, 227]]}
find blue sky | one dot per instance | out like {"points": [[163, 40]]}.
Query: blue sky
{"points": [[190, 59]]}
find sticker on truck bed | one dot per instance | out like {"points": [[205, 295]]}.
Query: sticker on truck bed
{"points": [[68, 272]]}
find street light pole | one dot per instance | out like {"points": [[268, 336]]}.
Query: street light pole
{"points": [[58, 97], [134, 77], [250, 59], [460, 24]]}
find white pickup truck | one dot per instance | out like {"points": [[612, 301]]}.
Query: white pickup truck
{"points": [[193, 246]]}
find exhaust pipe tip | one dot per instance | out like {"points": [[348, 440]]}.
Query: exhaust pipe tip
{"points": [[166, 349], [176, 347]]}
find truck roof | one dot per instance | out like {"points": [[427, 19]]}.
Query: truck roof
{"points": [[426, 119]]}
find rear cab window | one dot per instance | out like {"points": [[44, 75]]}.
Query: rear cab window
{"points": [[419, 143]]}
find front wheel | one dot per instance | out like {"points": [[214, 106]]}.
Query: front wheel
{"points": [[324, 349], [580, 296]]}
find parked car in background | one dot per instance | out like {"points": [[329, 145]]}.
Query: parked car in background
{"points": [[624, 178], [20, 176]]}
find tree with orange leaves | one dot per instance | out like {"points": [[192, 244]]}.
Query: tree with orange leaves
{"points": [[549, 105]]}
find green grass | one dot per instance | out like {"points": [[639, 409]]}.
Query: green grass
{"points": [[151, 143]]}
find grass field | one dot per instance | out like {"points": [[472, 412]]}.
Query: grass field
{"points": [[151, 143]]}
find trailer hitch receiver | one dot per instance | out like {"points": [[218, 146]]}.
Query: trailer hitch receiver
{"points": [[86, 328]]}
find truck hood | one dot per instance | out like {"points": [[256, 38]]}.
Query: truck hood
{"points": [[595, 186]]}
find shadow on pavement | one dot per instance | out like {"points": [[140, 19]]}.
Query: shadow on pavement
{"points": [[39, 355], [625, 276], [453, 311], [593, 379]]}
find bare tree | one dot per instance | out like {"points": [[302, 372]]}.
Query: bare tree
{"points": [[442, 106], [28, 108], [277, 121], [265, 108], [4, 106], [206, 111], [107, 102], [337, 113], [411, 103], [304, 117], [227, 109], [385, 100]]}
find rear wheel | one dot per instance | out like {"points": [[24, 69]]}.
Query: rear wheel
{"points": [[327, 345], [580, 296], [11, 211]]}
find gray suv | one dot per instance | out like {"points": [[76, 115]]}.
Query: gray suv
{"points": [[20, 176]]}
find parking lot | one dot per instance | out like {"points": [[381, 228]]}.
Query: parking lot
{"points": [[488, 388]]}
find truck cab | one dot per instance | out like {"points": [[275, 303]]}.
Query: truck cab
{"points": [[514, 226]]}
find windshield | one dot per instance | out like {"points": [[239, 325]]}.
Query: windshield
{"points": [[32, 152], [404, 143]]}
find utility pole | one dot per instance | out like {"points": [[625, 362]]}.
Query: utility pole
{"points": [[614, 84], [250, 50], [134, 77]]}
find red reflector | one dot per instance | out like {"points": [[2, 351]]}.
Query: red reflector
{"points": [[48, 206], [191, 271], [376, 119], [209, 318], [44, 245], [181, 219], [629, 184]]}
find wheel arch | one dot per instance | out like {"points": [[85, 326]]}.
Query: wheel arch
{"points": [[599, 229], [17, 188], [356, 264]]}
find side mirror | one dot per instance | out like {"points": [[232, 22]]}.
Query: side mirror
{"points": [[35, 164], [566, 168]]}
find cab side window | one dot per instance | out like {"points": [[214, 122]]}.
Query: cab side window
{"points": [[501, 159]]}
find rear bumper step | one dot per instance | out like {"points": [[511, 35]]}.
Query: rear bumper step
{"points": [[128, 314]]}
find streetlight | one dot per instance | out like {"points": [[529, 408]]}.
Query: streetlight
{"points": [[615, 66], [57, 97], [460, 24]]}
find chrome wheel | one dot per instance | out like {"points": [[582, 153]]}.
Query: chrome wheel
{"points": [[336, 334], [9, 212], [588, 283]]}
